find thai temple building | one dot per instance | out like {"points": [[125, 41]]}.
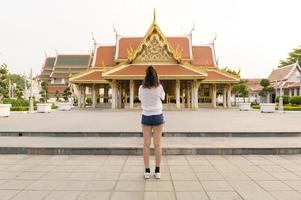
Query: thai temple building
{"points": [[288, 78], [112, 74]]}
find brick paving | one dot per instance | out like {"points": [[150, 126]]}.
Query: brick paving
{"points": [[200, 177]]}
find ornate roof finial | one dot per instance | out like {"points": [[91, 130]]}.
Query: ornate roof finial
{"points": [[215, 36], [114, 29], [154, 20], [93, 39], [193, 27]]}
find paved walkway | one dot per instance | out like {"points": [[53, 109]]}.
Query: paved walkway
{"points": [[203, 120], [137, 142], [250, 177]]}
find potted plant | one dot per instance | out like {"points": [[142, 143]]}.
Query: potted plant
{"points": [[66, 105], [241, 90], [266, 107], [43, 106], [4, 79]]}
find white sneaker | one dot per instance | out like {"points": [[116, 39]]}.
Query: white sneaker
{"points": [[146, 175], [157, 175]]}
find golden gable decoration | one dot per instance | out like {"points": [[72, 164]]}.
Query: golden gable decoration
{"points": [[154, 48]]}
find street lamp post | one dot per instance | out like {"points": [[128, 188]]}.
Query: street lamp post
{"points": [[280, 104], [31, 109], [299, 77]]}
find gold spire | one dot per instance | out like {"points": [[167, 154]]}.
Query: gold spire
{"points": [[154, 20]]}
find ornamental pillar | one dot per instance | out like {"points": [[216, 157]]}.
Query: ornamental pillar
{"points": [[178, 104], [79, 96], [114, 94], [131, 94], [213, 96], [229, 96], [295, 91], [93, 96], [118, 95], [188, 96], [225, 96], [195, 90]]}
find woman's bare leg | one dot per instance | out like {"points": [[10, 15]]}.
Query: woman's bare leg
{"points": [[157, 143], [147, 133]]}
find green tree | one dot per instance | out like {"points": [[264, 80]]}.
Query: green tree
{"points": [[266, 89], [57, 95], [44, 92], [293, 56], [19, 91], [18, 79], [4, 81], [232, 71], [67, 93], [241, 89]]}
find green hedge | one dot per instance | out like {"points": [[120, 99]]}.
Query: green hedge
{"points": [[286, 99], [16, 102], [286, 107], [255, 106], [292, 108], [21, 108], [53, 106], [295, 100]]}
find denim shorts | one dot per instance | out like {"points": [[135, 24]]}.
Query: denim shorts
{"points": [[152, 120]]}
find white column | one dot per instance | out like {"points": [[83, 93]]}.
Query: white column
{"points": [[113, 86], [213, 100], [290, 92], [131, 94], [277, 92], [225, 96], [93, 96], [188, 95], [295, 91], [79, 101], [229, 96], [196, 94], [84, 96], [192, 95], [178, 104]]}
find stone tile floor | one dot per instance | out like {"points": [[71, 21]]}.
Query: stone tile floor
{"points": [[202, 120], [198, 177]]}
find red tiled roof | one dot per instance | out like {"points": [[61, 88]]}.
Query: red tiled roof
{"points": [[218, 75], [254, 84], [281, 73], [92, 75], [126, 43], [162, 70], [54, 88], [105, 55], [291, 85], [202, 56]]}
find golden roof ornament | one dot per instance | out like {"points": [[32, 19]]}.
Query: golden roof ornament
{"points": [[154, 20]]}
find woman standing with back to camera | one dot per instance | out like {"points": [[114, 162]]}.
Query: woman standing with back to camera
{"points": [[151, 94]]}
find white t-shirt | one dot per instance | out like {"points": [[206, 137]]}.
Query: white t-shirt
{"points": [[151, 100]]}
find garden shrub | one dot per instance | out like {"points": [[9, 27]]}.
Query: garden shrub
{"points": [[295, 100], [285, 98], [16, 102], [89, 101]]}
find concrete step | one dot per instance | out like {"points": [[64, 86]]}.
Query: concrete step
{"points": [[139, 134], [134, 145]]}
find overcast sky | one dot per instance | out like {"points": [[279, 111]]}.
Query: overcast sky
{"points": [[252, 35]]}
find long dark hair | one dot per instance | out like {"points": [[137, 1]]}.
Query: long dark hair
{"points": [[151, 78]]}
